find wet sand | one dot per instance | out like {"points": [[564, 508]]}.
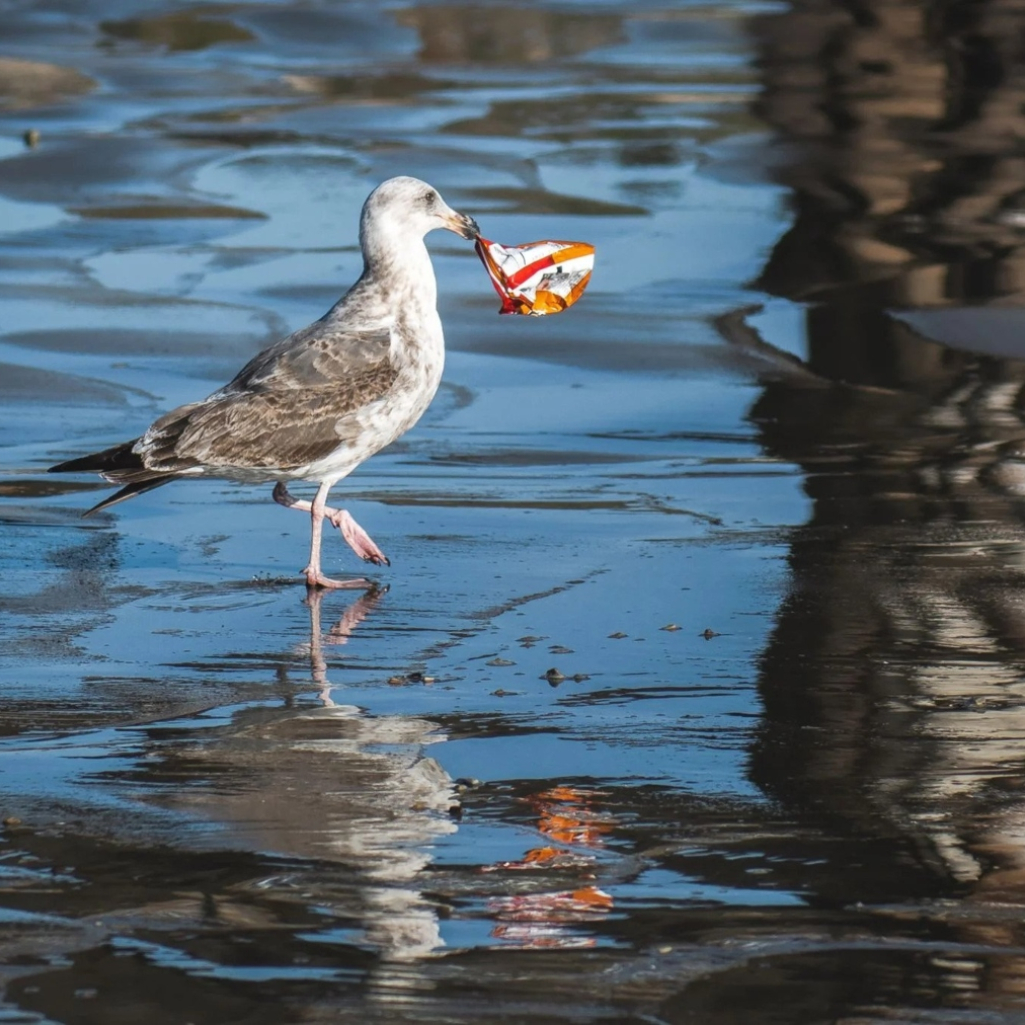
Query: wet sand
{"points": [[772, 555]]}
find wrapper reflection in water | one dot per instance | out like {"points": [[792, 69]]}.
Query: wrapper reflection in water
{"points": [[575, 826], [539, 277]]}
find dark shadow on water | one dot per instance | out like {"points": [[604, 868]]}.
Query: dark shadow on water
{"points": [[893, 682]]}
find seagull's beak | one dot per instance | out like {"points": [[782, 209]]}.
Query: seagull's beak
{"points": [[462, 224]]}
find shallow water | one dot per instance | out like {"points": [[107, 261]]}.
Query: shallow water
{"points": [[756, 498]]}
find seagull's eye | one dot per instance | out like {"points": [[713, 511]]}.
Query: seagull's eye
{"points": [[428, 199]]}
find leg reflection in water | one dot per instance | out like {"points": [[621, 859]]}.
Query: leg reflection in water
{"points": [[339, 634]]}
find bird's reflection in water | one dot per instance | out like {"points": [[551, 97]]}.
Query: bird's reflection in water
{"points": [[329, 782]]}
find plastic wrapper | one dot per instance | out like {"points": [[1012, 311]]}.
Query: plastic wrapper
{"points": [[539, 277]]}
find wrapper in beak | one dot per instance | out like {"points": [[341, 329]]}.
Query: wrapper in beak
{"points": [[537, 278]]}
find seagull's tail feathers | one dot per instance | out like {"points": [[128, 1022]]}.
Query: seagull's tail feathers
{"points": [[119, 459], [120, 465]]}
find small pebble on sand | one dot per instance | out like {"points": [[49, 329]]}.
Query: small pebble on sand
{"points": [[398, 681], [529, 641]]}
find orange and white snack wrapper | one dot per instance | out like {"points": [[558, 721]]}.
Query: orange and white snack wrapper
{"points": [[539, 277]]}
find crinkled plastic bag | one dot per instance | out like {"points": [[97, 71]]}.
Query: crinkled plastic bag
{"points": [[539, 277]]}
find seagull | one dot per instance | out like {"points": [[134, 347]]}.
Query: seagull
{"points": [[315, 405]]}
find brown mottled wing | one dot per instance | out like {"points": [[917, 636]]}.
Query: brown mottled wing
{"points": [[280, 429], [319, 355], [291, 405]]}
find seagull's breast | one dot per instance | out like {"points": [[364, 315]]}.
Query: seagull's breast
{"points": [[418, 358]]}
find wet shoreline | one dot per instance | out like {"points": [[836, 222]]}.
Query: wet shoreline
{"points": [[694, 690]]}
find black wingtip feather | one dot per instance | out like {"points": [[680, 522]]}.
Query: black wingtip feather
{"points": [[130, 491]]}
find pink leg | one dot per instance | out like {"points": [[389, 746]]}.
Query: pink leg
{"points": [[354, 534]]}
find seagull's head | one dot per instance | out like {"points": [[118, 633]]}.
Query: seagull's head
{"points": [[401, 207]]}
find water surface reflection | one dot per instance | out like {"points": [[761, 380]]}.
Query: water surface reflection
{"points": [[775, 557], [894, 678]]}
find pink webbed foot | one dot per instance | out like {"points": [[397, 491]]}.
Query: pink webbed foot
{"points": [[316, 579], [357, 538]]}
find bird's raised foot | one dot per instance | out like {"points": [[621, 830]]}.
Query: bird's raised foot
{"points": [[315, 580], [357, 538]]}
